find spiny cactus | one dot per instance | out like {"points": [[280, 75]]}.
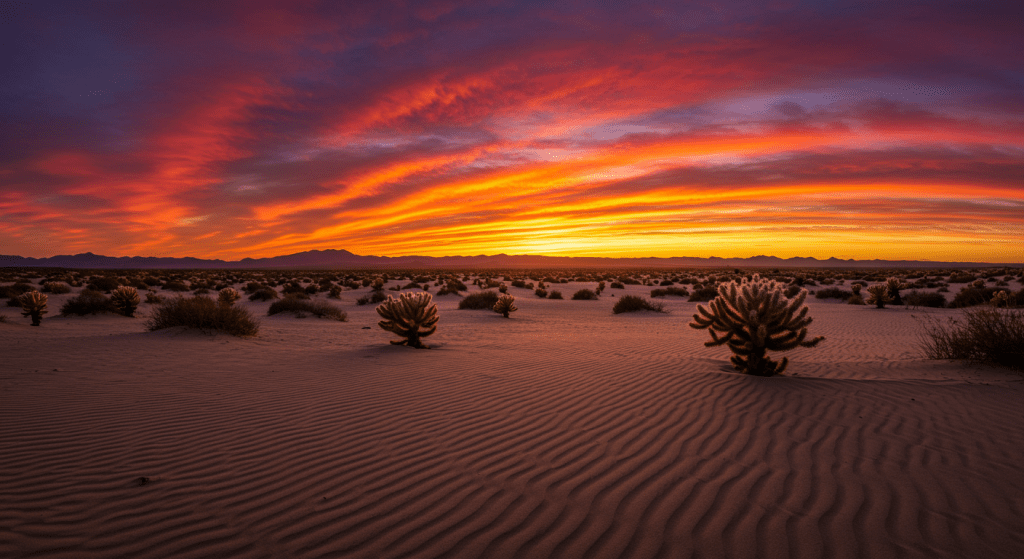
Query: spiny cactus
{"points": [[754, 318], [878, 295], [856, 289], [893, 285], [125, 299], [33, 304], [505, 305], [1000, 299], [228, 296], [413, 316]]}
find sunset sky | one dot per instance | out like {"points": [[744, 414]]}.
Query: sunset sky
{"points": [[854, 129]]}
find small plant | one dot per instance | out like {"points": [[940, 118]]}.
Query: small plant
{"points": [[855, 299], [616, 285], [503, 288], [335, 292], [319, 309], [878, 295], [855, 288], [755, 318], [555, 294], [56, 287], [153, 298], [264, 294], [584, 295], [676, 291], [203, 313], [125, 300], [983, 334], [33, 304], [413, 317], [505, 305], [917, 298], [702, 294], [633, 303], [542, 293], [480, 300], [833, 293], [228, 296], [87, 302]]}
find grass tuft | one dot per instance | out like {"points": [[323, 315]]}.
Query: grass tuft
{"points": [[984, 334], [319, 309], [480, 300], [633, 303]]}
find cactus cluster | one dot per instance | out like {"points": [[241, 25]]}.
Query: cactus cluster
{"points": [[33, 304], [754, 317], [413, 316], [505, 305], [125, 299]]}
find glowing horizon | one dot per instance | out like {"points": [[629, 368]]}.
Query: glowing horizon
{"points": [[258, 129]]}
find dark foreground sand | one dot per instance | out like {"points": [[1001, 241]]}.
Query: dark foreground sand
{"points": [[565, 431]]}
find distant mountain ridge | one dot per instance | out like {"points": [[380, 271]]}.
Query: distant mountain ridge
{"points": [[344, 259]]}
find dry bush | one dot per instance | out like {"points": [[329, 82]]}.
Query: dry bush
{"points": [[983, 334], [203, 313], [56, 287], [704, 294], [674, 291], [481, 300], [264, 294], [633, 303], [86, 302], [542, 293], [833, 293], [584, 295], [555, 294], [319, 309], [917, 298]]}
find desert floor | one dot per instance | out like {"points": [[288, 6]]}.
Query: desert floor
{"points": [[564, 431]]}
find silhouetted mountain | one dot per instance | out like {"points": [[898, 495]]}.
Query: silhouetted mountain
{"points": [[345, 259]]}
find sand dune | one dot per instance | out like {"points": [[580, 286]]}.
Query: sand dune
{"points": [[565, 431]]}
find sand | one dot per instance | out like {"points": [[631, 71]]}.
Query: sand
{"points": [[564, 431]]}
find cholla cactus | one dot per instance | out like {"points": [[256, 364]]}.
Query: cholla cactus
{"points": [[893, 285], [1000, 299], [33, 304], [505, 305], [228, 296], [856, 288], [125, 299], [978, 283], [878, 295], [755, 318], [378, 284], [413, 316], [503, 288]]}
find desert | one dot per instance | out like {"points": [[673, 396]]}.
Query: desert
{"points": [[564, 430]]}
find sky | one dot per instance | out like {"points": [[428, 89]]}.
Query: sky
{"points": [[849, 129]]}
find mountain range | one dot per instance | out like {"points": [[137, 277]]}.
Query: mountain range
{"points": [[315, 259]]}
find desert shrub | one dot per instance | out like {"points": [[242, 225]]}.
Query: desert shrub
{"points": [[542, 293], [833, 293], [228, 296], [616, 285], [856, 299], [917, 298], [253, 287], [175, 286], [151, 281], [125, 300], [33, 304], [982, 334], [753, 318], [56, 287], [154, 299], [413, 317], [518, 283], [103, 283], [972, 296], [86, 302], [412, 285], [12, 291], [704, 294], [793, 291], [584, 295], [674, 291], [319, 309], [203, 313], [555, 294], [480, 300], [335, 292], [378, 297], [666, 283], [264, 294], [633, 303], [297, 295], [505, 305]]}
